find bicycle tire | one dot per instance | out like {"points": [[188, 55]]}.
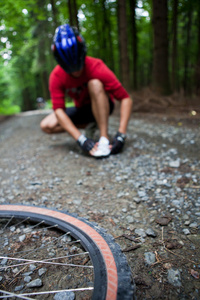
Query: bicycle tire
{"points": [[112, 275]]}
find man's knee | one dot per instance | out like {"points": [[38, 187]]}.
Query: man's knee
{"points": [[46, 127], [43, 126], [95, 86]]}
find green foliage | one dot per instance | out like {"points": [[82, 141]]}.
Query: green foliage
{"points": [[7, 108], [27, 29], [3, 82], [69, 103]]}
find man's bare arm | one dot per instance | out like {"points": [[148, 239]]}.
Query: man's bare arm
{"points": [[125, 113], [67, 124]]}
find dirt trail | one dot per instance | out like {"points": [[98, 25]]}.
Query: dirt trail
{"points": [[148, 197]]}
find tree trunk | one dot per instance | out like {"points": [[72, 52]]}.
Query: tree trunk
{"points": [[107, 39], [54, 14], [160, 52], [42, 58], [27, 103], [197, 72], [76, 14], [111, 56], [186, 80], [132, 5], [174, 46], [98, 30], [103, 19], [123, 47], [73, 13]]}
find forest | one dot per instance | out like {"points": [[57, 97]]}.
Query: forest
{"points": [[152, 44]]}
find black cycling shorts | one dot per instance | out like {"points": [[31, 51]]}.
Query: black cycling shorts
{"points": [[84, 115]]}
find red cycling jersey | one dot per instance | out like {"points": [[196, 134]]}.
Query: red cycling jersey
{"points": [[62, 84]]}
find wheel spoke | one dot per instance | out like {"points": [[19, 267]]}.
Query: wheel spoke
{"points": [[28, 262]]}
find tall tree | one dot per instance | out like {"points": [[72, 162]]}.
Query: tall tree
{"points": [[187, 29], [40, 33], [197, 71], [123, 43], [73, 13], [160, 51], [54, 14], [174, 46], [107, 38], [132, 6]]}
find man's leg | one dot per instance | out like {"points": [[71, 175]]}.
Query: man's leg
{"points": [[101, 110], [50, 124], [100, 105], [79, 116]]}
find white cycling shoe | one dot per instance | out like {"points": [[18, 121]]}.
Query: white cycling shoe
{"points": [[103, 149]]}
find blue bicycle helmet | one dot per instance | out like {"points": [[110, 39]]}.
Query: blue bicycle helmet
{"points": [[69, 48]]}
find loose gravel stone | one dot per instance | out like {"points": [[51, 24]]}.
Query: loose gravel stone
{"points": [[150, 258], [35, 283], [42, 271], [137, 215], [187, 223], [32, 267], [12, 228], [186, 231], [130, 219], [77, 202], [174, 277], [193, 225], [15, 270], [141, 194], [175, 163], [27, 278], [4, 261], [140, 232], [150, 232], [22, 238], [64, 296], [137, 200], [27, 273], [19, 288]]}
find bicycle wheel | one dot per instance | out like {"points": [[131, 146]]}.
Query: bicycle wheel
{"points": [[111, 274]]}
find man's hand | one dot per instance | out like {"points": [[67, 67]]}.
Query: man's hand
{"points": [[118, 143], [85, 143]]}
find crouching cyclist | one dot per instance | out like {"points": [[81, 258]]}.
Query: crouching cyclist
{"points": [[93, 87]]}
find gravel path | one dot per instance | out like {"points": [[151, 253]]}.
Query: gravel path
{"points": [[148, 197]]}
